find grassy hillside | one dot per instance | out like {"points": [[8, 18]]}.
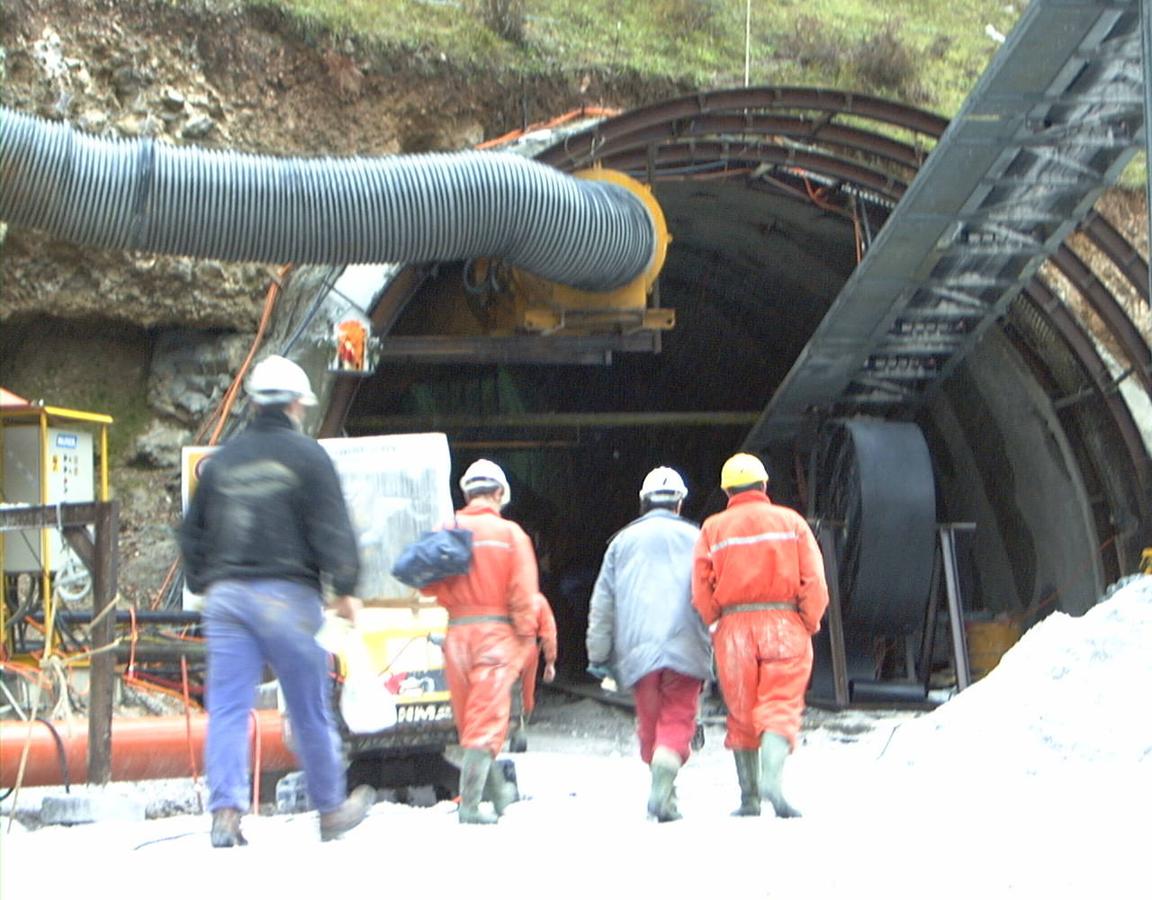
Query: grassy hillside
{"points": [[922, 51]]}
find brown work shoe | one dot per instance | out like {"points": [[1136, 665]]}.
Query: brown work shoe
{"points": [[226, 829], [348, 815]]}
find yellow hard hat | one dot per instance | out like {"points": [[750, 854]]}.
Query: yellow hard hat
{"points": [[742, 470]]}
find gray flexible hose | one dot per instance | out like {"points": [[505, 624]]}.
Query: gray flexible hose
{"points": [[154, 197]]}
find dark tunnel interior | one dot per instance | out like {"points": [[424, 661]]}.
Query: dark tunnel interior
{"points": [[749, 272]]}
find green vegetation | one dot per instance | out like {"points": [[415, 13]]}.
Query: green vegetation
{"points": [[126, 404], [920, 51]]}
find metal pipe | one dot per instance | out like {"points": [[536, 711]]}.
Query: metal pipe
{"points": [[450, 422], [154, 197], [142, 749], [143, 616]]}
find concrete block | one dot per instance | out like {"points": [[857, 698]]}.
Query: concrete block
{"points": [[84, 808]]}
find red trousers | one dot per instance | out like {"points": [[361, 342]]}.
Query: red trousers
{"points": [[666, 707], [481, 662], [763, 663]]}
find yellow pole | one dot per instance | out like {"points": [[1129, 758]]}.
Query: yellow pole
{"points": [[103, 463], [45, 553]]}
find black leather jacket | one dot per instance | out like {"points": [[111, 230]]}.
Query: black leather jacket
{"points": [[269, 505]]}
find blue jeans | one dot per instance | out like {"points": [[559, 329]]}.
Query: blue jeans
{"points": [[248, 624]]}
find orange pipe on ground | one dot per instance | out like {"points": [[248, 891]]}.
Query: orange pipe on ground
{"points": [[142, 749]]}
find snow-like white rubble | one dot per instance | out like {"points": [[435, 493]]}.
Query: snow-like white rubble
{"points": [[1033, 783]]}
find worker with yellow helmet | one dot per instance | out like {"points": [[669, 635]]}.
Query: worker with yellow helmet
{"points": [[758, 576]]}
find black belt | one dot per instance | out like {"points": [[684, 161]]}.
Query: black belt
{"points": [[752, 607], [472, 620]]}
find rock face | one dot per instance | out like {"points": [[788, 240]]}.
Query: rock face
{"points": [[47, 277], [154, 341]]}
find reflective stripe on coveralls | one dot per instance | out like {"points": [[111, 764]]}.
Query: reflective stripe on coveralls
{"points": [[484, 656], [755, 552], [473, 620], [753, 607]]}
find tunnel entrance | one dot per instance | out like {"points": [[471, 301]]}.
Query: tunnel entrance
{"points": [[749, 275], [767, 225]]}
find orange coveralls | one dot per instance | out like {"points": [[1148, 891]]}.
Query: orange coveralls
{"points": [[756, 552], [490, 621], [546, 632]]}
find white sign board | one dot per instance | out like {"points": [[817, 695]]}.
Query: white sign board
{"points": [[396, 487]]}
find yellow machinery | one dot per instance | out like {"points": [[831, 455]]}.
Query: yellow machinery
{"points": [[405, 640], [46, 457], [498, 299], [546, 307]]}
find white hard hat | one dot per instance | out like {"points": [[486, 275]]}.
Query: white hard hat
{"points": [[663, 480], [485, 475], [279, 380]]}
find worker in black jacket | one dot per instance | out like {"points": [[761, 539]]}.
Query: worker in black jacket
{"points": [[266, 521]]}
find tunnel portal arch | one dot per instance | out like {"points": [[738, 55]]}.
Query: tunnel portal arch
{"points": [[772, 195]]}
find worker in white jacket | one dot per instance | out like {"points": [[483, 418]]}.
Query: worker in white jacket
{"points": [[643, 629]]}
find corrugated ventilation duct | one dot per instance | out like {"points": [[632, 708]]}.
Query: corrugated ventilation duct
{"points": [[154, 197]]}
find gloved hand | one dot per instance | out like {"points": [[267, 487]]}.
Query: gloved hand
{"points": [[599, 671]]}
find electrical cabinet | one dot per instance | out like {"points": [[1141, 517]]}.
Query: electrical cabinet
{"points": [[66, 475]]}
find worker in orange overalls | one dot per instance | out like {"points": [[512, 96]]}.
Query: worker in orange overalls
{"points": [[759, 575], [491, 623], [545, 643]]}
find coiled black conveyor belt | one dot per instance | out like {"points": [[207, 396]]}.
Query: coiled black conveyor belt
{"points": [[873, 481]]}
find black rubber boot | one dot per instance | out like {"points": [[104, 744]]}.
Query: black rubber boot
{"points": [[473, 776], [497, 788], [774, 749], [517, 736], [664, 767], [226, 829], [748, 771], [348, 814], [517, 733]]}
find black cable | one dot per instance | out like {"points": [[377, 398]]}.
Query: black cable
{"points": [[171, 837], [61, 755], [891, 735]]}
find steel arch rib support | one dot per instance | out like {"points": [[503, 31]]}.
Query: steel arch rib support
{"points": [[582, 148], [1074, 335], [1111, 313], [1119, 250]]}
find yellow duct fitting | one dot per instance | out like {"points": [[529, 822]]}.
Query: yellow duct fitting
{"points": [[547, 307]]}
